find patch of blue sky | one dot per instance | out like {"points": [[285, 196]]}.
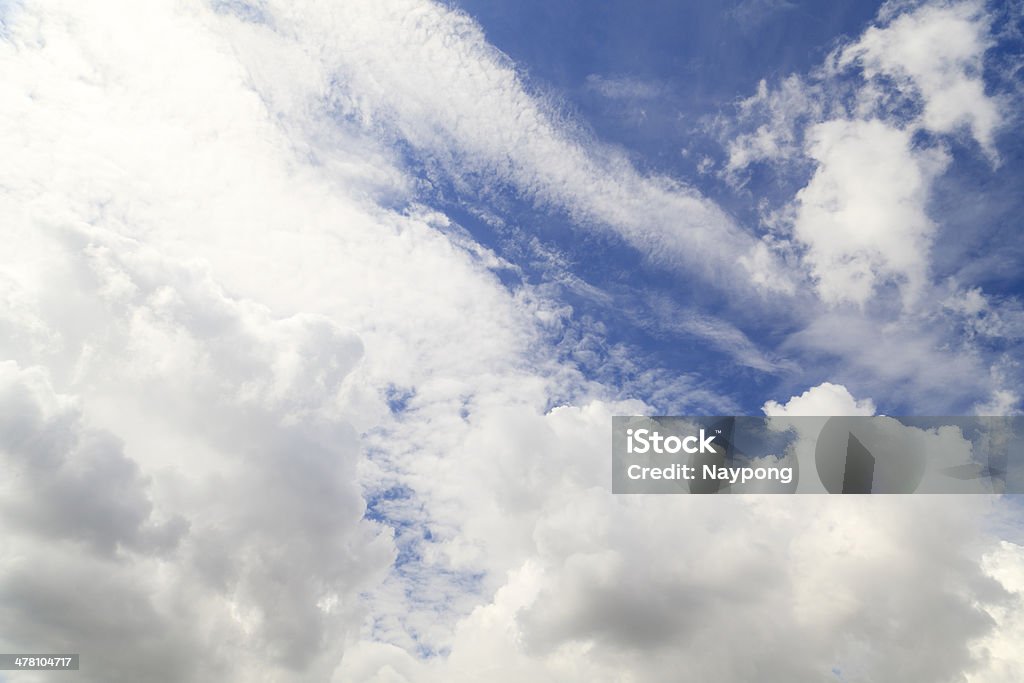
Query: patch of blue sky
{"points": [[978, 242], [610, 292], [704, 50], [698, 56], [249, 11], [377, 502], [7, 10], [398, 398], [610, 287], [1010, 526], [380, 628], [430, 592], [398, 507]]}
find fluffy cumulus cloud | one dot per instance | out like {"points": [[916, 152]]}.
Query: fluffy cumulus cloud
{"points": [[863, 215], [1005, 564], [865, 141], [265, 417], [618, 596], [69, 483], [227, 497], [875, 121], [825, 399], [936, 53]]}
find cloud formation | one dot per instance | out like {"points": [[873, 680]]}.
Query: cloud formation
{"points": [[293, 424], [867, 120], [934, 52], [862, 216]]}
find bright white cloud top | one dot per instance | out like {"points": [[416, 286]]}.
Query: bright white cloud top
{"points": [[270, 412]]}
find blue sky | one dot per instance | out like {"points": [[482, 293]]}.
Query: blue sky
{"points": [[662, 84]]}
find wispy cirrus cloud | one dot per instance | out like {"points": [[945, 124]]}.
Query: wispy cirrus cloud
{"points": [[439, 86]]}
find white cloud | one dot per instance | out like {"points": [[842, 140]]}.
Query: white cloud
{"points": [[862, 216], [873, 129], [660, 316], [174, 260], [589, 585], [822, 401], [620, 596], [904, 360], [826, 399], [785, 110], [426, 73], [206, 284], [624, 88], [985, 316], [69, 483], [230, 418], [1006, 565], [1001, 402], [936, 51]]}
